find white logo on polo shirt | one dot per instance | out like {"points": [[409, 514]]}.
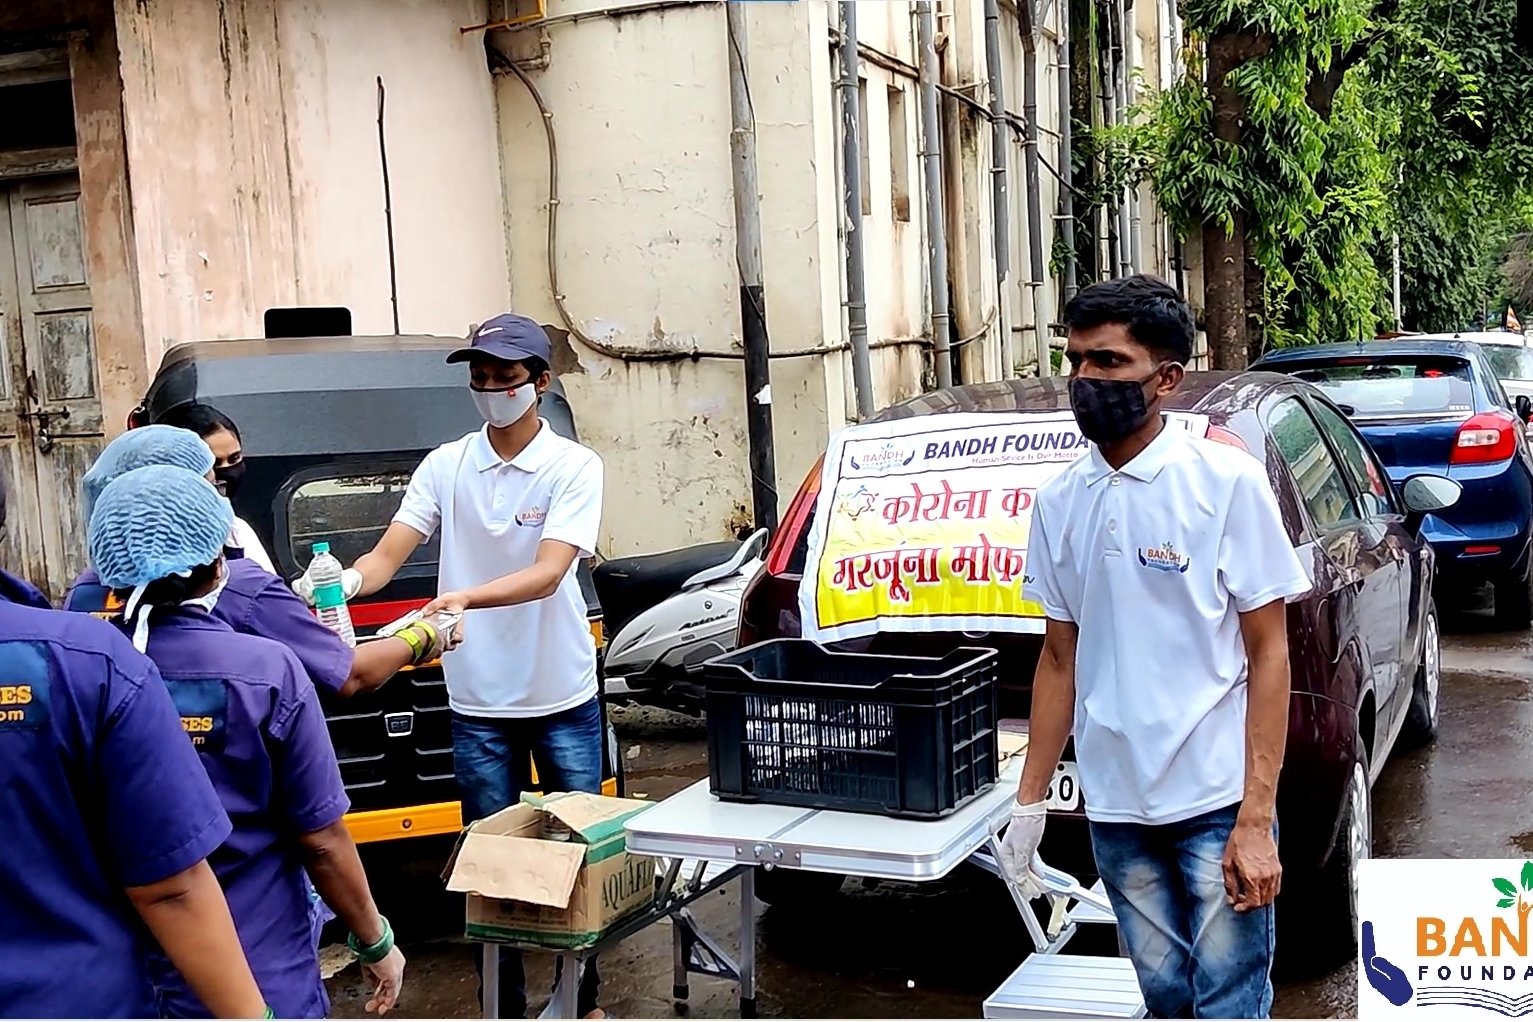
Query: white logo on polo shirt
{"points": [[1164, 557]]}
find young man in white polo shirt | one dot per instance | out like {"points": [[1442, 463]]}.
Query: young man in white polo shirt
{"points": [[1163, 566], [517, 505]]}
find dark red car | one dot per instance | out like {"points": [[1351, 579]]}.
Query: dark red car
{"points": [[1363, 643]]}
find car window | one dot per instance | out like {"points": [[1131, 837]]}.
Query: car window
{"points": [[1375, 496], [1392, 385], [1510, 362], [1315, 472], [350, 512]]}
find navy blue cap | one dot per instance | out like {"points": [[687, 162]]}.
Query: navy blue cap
{"points": [[508, 337]]}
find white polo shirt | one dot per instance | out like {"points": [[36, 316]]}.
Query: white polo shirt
{"points": [[1155, 562], [534, 659]]}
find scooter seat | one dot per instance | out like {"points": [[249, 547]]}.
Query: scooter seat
{"points": [[628, 586]]}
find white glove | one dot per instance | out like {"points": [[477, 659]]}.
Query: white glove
{"points": [[1020, 844], [351, 585], [387, 977]]}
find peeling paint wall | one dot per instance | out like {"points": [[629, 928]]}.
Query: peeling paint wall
{"points": [[253, 159], [444, 161]]}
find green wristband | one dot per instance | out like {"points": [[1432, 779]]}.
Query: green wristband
{"points": [[269, 1013], [371, 955]]}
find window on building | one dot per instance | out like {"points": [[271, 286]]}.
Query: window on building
{"points": [[899, 153], [865, 173]]}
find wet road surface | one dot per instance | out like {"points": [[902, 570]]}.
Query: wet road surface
{"points": [[893, 951]]}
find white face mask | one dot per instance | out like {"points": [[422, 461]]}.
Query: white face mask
{"points": [[501, 408]]}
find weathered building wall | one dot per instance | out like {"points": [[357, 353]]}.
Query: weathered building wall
{"points": [[894, 217], [646, 250], [253, 154], [208, 161], [646, 231], [116, 320], [443, 155]]}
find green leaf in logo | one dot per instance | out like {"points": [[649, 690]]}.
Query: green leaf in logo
{"points": [[1506, 903], [1506, 887], [1527, 876]]}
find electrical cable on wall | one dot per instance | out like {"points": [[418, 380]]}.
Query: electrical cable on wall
{"points": [[620, 352]]}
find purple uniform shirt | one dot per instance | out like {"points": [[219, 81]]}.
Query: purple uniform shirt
{"points": [[99, 790], [255, 720], [20, 591], [255, 602]]}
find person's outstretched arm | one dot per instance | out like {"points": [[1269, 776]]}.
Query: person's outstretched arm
{"points": [[188, 915]]}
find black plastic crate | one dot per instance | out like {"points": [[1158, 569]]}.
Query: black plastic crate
{"points": [[793, 723]]}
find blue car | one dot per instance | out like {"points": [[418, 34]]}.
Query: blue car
{"points": [[1437, 406]]}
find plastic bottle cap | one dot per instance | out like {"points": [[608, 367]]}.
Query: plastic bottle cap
{"points": [[321, 548]]}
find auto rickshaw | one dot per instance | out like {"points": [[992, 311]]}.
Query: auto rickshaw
{"points": [[332, 428]]}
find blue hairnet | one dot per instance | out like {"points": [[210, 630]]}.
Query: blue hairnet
{"points": [[155, 522], [147, 445]]}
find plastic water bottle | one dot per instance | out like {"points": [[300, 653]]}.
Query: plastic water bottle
{"points": [[330, 595]]}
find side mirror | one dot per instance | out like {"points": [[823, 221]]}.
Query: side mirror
{"points": [[1426, 494], [1523, 406]]}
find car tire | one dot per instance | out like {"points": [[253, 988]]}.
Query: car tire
{"points": [[1317, 918], [1514, 602], [795, 888], [1421, 719]]}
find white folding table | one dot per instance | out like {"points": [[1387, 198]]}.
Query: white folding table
{"points": [[705, 843], [694, 825]]}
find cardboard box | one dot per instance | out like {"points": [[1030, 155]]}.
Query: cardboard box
{"points": [[528, 890]]}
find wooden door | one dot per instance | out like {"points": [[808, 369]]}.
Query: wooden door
{"points": [[51, 355]]}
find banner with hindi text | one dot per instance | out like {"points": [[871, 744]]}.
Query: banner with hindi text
{"points": [[922, 523]]}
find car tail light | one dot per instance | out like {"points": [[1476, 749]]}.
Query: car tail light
{"points": [[781, 549], [1488, 437], [1220, 435]]}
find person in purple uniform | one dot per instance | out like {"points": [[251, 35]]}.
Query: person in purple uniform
{"points": [[253, 600], [156, 538], [108, 826]]}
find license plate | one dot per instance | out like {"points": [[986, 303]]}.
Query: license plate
{"points": [[1065, 789]]}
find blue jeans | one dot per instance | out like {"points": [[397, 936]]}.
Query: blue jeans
{"points": [[1196, 957], [491, 756]]}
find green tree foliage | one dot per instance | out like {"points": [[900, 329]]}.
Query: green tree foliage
{"points": [[1357, 118], [1465, 154]]}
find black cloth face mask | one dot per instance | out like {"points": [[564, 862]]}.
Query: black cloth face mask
{"points": [[230, 477], [1109, 410]]}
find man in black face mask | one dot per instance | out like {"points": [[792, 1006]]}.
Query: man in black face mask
{"points": [[1162, 563]]}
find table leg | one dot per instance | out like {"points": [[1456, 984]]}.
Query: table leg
{"points": [[568, 990], [489, 981], [679, 984], [748, 943]]}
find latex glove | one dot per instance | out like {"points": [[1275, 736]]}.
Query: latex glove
{"points": [[387, 977], [455, 637], [351, 585], [1020, 843]]}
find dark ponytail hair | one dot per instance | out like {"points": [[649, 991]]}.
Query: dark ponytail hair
{"points": [[173, 590]]}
